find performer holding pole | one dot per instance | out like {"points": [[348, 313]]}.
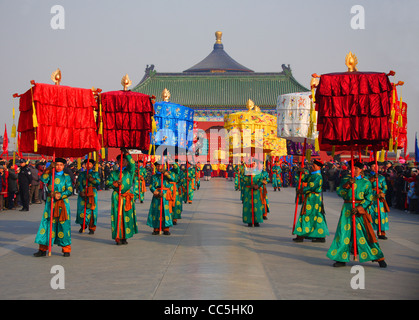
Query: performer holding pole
{"points": [[43, 131], [376, 192], [312, 222], [139, 181], [190, 182], [175, 172], [379, 208], [123, 214], [353, 205], [159, 216], [55, 226], [87, 204], [361, 116], [52, 206], [119, 183], [161, 198], [253, 183], [87, 181], [357, 194], [276, 176]]}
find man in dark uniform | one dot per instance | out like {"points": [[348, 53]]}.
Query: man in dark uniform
{"points": [[11, 185], [25, 181], [230, 171], [207, 171]]}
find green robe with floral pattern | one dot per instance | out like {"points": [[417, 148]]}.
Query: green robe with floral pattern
{"points": [[175, 172], [311, 222], [242, 172], [265, 176], [153, 219], [189, 183], [61, 230], [255, 214], [304, 175], [276, 176], [236, 169], [128, 224], [136, 186], [81, 201], [198, 176], [382, 186], [342, 245]]}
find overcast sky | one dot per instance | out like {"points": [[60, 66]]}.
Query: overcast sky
{"points": [[102, 40]]}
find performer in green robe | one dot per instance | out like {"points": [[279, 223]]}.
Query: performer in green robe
{"points": [[367, 245], [253, 208], [311, 222], [87, 198], [236, 177], [61, 224], [123, 226], [176, 175], [159, 215], [304, 173], [264, 193], [242, 171], [189, 183], [276, 176], [139, 185], [197, 175], [384, 208]]}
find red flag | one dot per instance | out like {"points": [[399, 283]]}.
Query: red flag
{"points": [[5, 142]]}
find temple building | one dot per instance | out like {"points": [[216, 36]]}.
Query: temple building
{"points": [[219, 85]]}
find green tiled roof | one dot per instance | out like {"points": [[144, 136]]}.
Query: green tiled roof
{"points": [[220, 90]]}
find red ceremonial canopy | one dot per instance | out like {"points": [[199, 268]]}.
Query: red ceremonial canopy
{"points": [[127, 119], [64, 123], [353, 109]]}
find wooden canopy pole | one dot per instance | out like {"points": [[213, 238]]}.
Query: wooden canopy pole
{"points": [[52, 206]]}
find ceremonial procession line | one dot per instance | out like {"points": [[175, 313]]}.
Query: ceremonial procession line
{"points": [[210, 254]]}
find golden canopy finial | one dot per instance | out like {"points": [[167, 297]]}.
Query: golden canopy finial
{"points": [[126, 82], [218, 36], [314, 82], [250, 105], [56, 76], [165, 95], [351, 61]]}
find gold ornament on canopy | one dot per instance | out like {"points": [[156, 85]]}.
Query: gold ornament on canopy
{"points": [[56, 76], [165, 95], [351, 61], [126, 82]]}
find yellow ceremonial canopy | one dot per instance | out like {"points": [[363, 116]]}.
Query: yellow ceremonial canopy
{"points": [[253, 130]]}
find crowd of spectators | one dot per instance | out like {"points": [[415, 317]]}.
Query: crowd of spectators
{"points": [[21, 185]]}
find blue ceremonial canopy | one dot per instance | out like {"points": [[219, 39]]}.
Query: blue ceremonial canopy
{"points": [[174, 124]]}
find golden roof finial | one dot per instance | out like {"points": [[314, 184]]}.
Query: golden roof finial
{"points": [[126, 82], [165, 95], [351, 61], [218, 36], [56, 76]]}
